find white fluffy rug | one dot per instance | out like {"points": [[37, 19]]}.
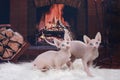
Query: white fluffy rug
{"points": [[25, 71]]}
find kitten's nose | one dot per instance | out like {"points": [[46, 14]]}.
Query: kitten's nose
{"points": [[67, 47], [94, 47]]}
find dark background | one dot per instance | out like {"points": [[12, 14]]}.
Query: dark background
{"points": [[4, 11]]}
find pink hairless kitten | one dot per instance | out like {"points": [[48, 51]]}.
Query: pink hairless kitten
{"points": [[87, 50], [54, 59]]}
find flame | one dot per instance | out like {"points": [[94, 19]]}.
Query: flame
{"points": [[54, 15]]}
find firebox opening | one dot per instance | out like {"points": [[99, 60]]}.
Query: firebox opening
{"points": [[51, 21]]}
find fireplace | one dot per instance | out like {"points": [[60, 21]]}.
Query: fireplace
{"points": [[52, 17], [25, 16], [52, 20]]}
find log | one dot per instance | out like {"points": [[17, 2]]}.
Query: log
{"points": [[8, 33], [7, 53], [5, 41], [2, 37], [1, 49], [15, 57], [2, 29], [17, 37], [14, 46]]}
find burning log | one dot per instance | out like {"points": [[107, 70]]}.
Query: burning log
{"points": [[52, 23]]}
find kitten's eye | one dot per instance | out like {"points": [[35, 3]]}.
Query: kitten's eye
{"points": [[67, 42], [96, 42], [91, 44], [62, 44]]}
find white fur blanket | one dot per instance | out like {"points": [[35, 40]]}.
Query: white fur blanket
{"points": [[25, 71]]}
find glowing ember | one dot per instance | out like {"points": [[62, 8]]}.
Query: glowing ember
{"points": [[52, 17]]}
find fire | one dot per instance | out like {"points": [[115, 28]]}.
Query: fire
{"points": [[54, 15]]}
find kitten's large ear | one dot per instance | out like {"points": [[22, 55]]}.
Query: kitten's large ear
{"points": [[67, 35], [57, 42], [98, 37], [86, 39]]}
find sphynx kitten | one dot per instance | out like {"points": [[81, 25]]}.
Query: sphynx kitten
{"points": [[87, 50], [54, 59]]}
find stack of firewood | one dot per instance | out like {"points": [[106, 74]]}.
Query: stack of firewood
{"points": [[10, 42]]}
